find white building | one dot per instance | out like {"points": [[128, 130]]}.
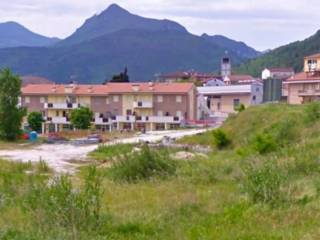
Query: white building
{"points": [[277, 73]]}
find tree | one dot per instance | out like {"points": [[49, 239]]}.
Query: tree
{"points": [[81, 118], [35, 121], [10, 113], [122, 77]]}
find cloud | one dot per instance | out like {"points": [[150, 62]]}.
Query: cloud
{"points": [[262, 24]]}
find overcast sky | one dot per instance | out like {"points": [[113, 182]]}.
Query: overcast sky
{"points": [[263, 24]]}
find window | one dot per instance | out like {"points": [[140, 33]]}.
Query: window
{"points": [[160, 99], [179, 114], [129, 112], [257, 89], [107, 100], [27, 100], [254, 98], [57, 113], [160, 113], [236, 103], [178, 99], [116, 98], [42, 100]]}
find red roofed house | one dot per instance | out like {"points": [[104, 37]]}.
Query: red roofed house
{"points": [[148, 106], [304, 87]]}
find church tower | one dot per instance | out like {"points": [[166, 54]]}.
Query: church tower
{"points": [[225, 66]]}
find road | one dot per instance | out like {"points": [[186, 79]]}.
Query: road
{"points": [[62, 157]]}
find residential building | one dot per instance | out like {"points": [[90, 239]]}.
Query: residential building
{"points": [[304, 87], [226, 99], [273, 78], [236, 79], [277, 73], [147, 106]]}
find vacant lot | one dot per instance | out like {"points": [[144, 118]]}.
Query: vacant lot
{"points": [[264, 184]]}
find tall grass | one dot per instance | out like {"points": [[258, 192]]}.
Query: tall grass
{"points": [[142, 165]]}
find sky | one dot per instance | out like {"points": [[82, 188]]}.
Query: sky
{"points": [[262, 24]]}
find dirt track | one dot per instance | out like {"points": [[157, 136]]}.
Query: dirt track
{"points": [[60, 156]]}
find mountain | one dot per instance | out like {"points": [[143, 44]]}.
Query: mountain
{"points": [[114, 19], [290, 55], [240, 48], [108, 42], [13, 34], [145, 53]]}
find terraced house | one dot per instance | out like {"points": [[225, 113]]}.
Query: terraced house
{"points": [[304, 87], [135, 106]]}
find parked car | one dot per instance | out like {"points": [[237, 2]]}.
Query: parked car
{"points": [[54, 138]]}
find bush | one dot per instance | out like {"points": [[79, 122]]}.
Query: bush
{"points": [[35, 121], [142, 165], [263, 184], [240, 108], [220, 139], [313, 112], [264, 143], [81, 118]]}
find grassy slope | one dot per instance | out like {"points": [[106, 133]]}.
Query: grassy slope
{"points": [[205, 200]]}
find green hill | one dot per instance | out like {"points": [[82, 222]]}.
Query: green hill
{"points": [[238, 192], [290, 55]]}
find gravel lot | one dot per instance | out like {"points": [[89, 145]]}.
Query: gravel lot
{"points": [[61, 157]]}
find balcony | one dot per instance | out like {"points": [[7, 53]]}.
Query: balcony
{"points": [[58, 120], [142, 119], [309, 92], [101, 121], [124, 119], [62, 106], [165, 119], [142, 104]]}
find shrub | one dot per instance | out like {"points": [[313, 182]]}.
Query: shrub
{"points": [[264, 183], [264, 143], [142, 165], [35, 121], [81, 118], [313, 112], [220, 139], [240, 108]]}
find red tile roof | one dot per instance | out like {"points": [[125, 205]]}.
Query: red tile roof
{"points": [[317, 55], [110, 88], [303, 76], [241, 78], [281, 69]]}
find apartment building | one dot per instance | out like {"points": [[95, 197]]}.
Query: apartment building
{"points": [[135, 106], [304, 87], [226, 99]]}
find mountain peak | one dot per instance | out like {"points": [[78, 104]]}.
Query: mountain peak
{"points": [[114, 9]]}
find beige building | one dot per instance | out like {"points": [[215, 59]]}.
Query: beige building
{"points": [[226, 99], [304, 87], [148, 106]]}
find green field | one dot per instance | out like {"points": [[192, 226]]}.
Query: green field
{"points": [[264, 185]]}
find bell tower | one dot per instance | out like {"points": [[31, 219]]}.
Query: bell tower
{"points": [[226, 66]]}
